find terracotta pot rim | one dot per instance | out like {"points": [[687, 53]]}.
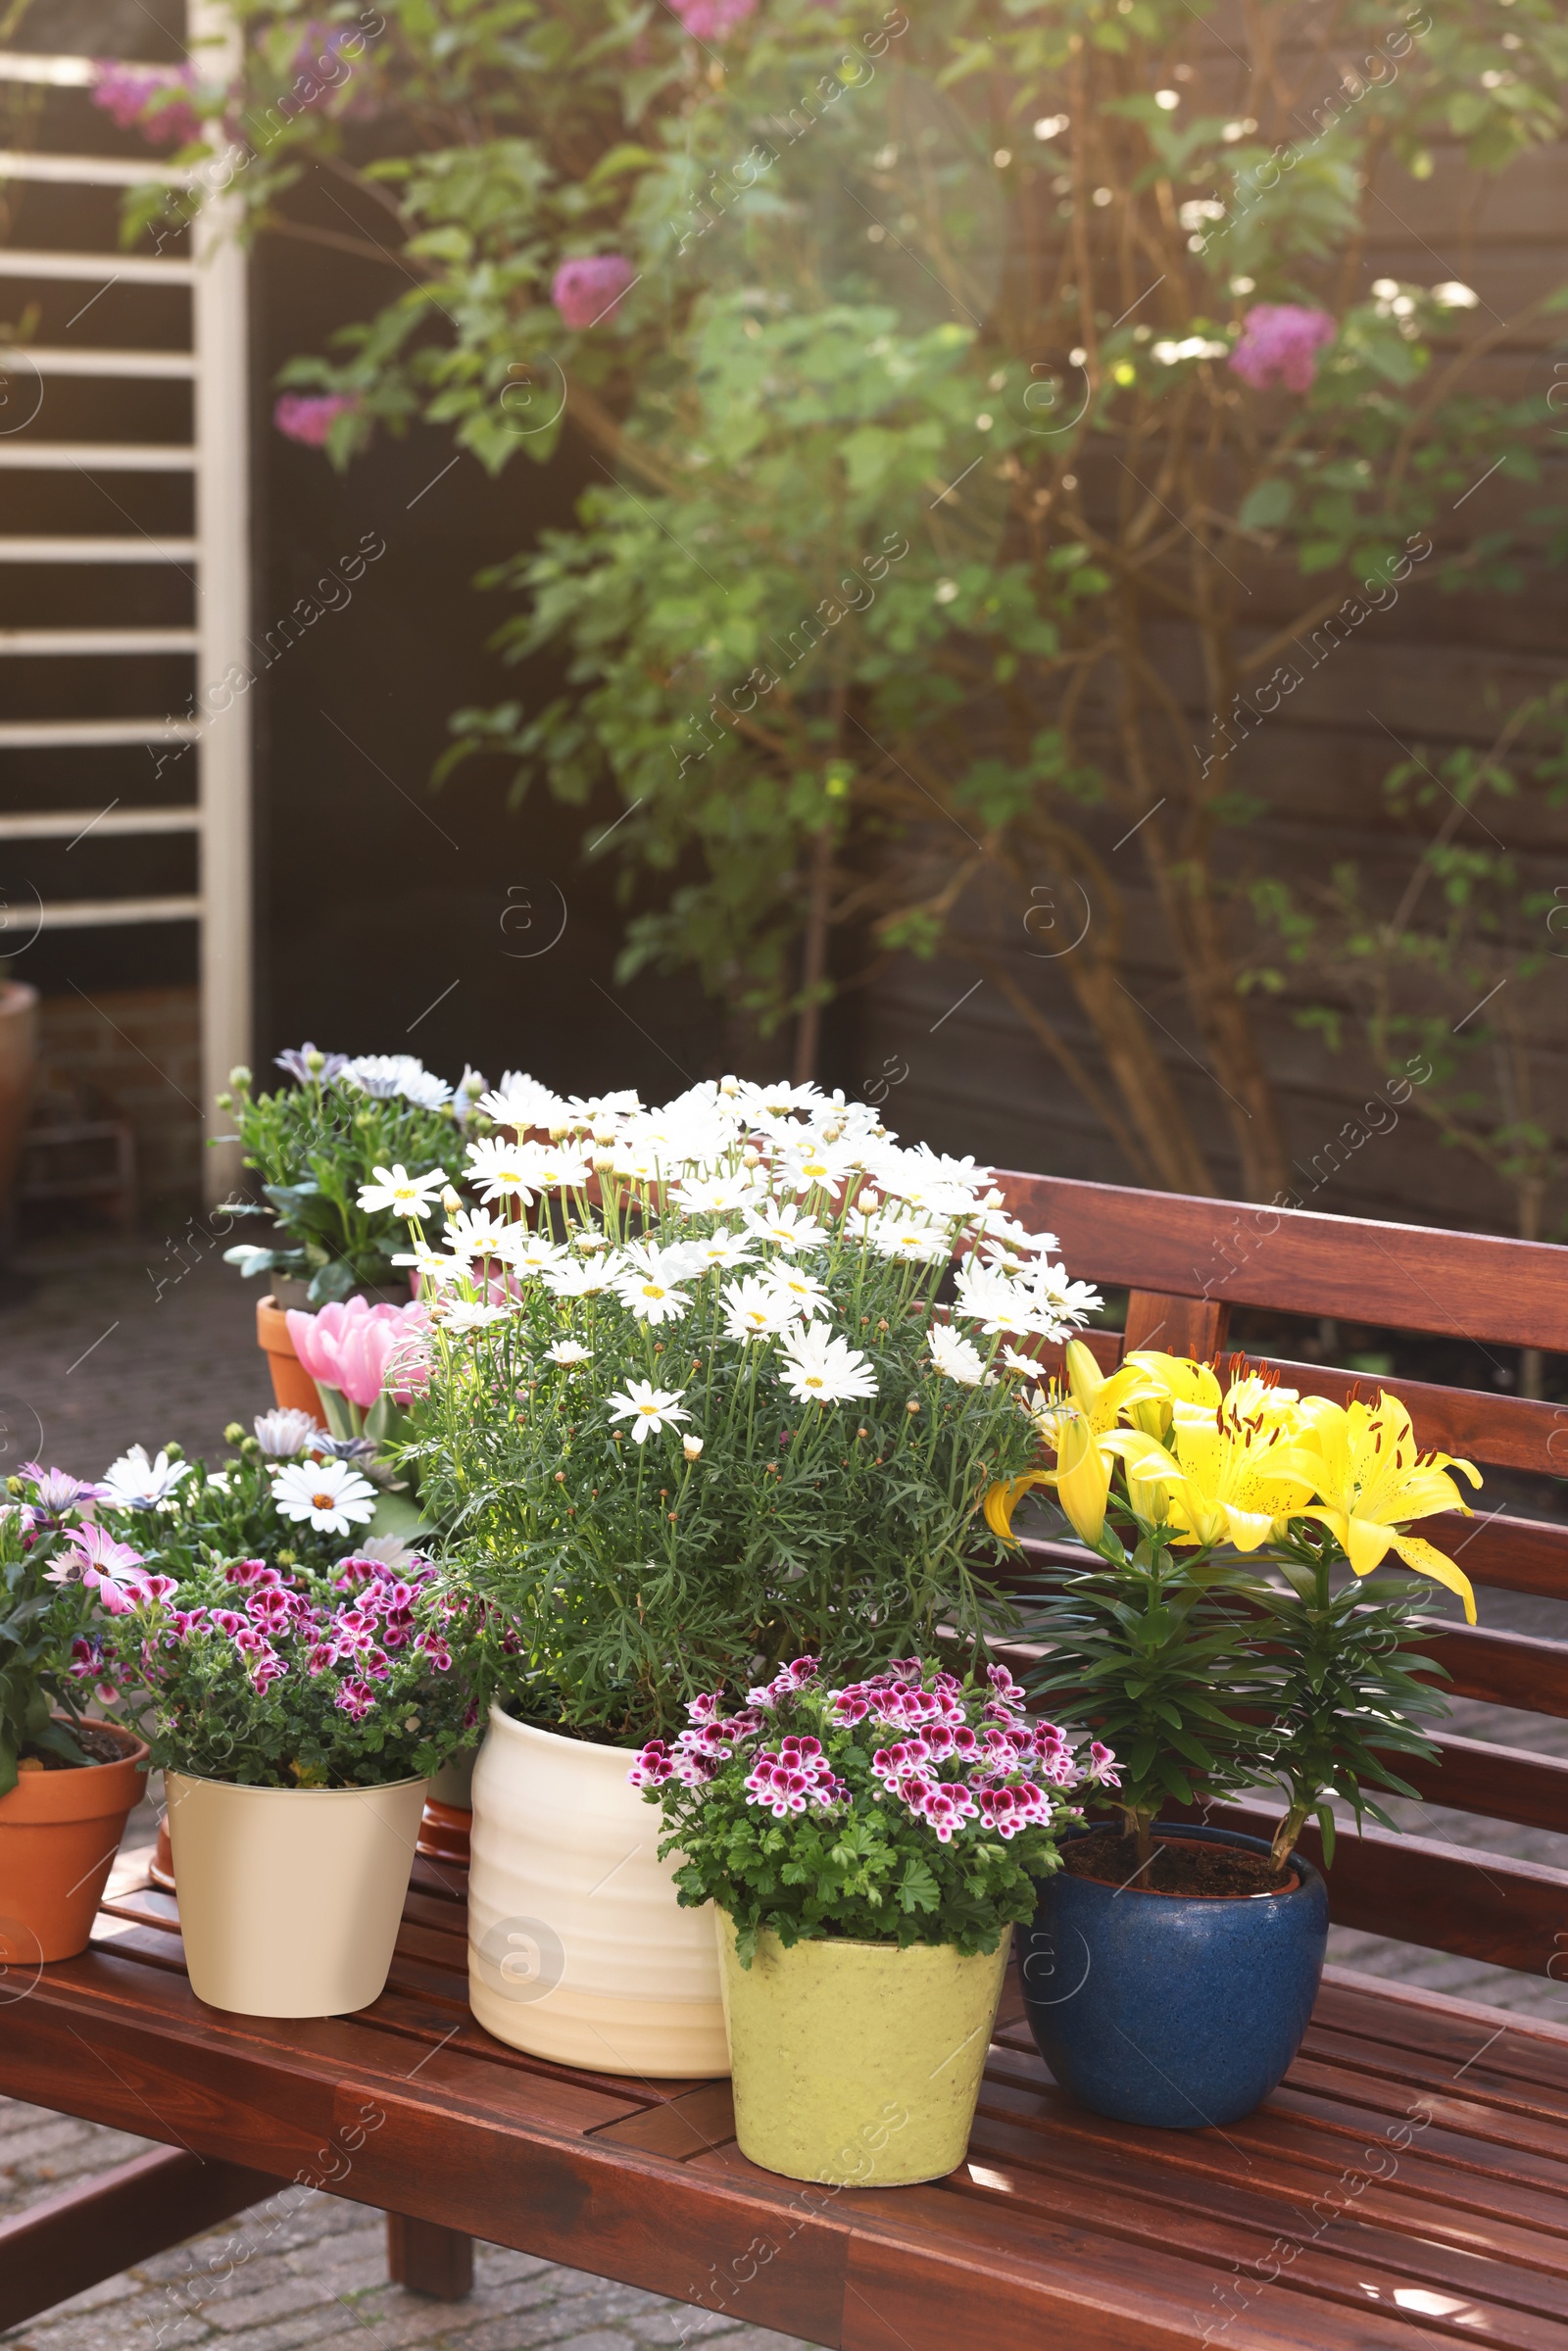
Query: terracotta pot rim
{"points": [[52, 1799]]}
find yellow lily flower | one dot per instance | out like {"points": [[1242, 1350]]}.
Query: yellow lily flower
{"points": [[1369, 1478], [1075, 1425], [1225, 1480]]}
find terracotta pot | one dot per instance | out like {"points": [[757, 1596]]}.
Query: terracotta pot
{"points": [[292, 1385], [290, 1897], [449, 1809], [19, 1047], [161, 1867], [59, 1835]]}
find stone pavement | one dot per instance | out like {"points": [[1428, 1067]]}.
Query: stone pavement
{"points": [[104, 1343]]}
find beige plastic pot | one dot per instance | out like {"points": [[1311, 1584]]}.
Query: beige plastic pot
{"points": [[290, 1897], [579, 1950], [857, 2063]]}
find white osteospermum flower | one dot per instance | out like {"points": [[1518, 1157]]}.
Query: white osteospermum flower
{"points": [[405, 1195], [785, 1227], [797, 1292], [568, 1351], [502, 1170], [818, 1369], [955, 1358], [329, 1493], [646, 1407], [754, 1310], [383, 1075], [134, 1483], [651, 1298], [285, 1434]]}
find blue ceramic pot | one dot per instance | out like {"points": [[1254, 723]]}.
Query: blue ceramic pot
{"points": [[1171, 2009]]}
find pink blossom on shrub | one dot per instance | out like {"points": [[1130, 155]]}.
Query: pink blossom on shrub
{"points": [[711, 19], [586, 290], [152, 99], [309, 416], [1280, 342]]}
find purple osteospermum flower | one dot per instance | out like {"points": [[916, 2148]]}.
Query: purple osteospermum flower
{"points": [[1280, 343], [587, 290], [58, 1490], [295, 1063], [309, 416]]}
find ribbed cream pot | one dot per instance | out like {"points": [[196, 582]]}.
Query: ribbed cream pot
{"points": [[579, 1950], [857, 2063], [290, 1897]]}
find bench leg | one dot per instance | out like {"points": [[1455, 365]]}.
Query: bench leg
{"points": [[429, 2259]]}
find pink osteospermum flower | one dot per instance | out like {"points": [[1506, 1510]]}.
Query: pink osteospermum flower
{"points": [[111, 1569], [586, 290], [1280, 343], [309, 416], [711, 19]]}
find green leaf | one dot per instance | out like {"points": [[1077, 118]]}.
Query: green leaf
{"points": [[1268, 506]]}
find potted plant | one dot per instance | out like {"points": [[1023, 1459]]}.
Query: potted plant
{"points": [[700, 1416], [1217, 1643], [869, 1850], [297, 1716], [316, 1145], [67, 1785]]}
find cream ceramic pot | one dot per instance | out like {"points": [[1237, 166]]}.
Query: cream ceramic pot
{"points": [[579, 1950], [857, 2063], [290, 1897]]}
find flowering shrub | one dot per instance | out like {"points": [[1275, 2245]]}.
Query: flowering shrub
{"points": [[584, 291], [316, 1142], [702, 1415], [159, 100], [907, 1809], [57, 1571], [309, 416], [1279, 345], [279, 1677]]}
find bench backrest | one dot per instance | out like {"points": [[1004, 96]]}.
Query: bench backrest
{"points": [[1186, 1263]]}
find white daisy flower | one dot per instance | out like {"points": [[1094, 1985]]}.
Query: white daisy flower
{"points": [[785, 1226], [955, 1358], [431, 1266], [528, 1252], [568, 1351], [908, 1232], [405, 1195], [798, 1292], [329, 1493], [988, 1298], [754, 1310], [818, 1369], [580, 1279], [133, 1483], [819, 1167], [646, 1407], [778, 1101], [1029, 1365], [556, 1168], [651, 1300], [464, 1316], [502, 1170], [476, 1233], [520, 1102], [716, 1195], [723, 1250]]}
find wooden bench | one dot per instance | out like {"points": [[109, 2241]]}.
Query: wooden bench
{"points": [[1406, 2185]]}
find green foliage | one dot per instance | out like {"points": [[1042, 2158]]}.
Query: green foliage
{"points": [[962, 282], [314, 1144], [39, 1621]]}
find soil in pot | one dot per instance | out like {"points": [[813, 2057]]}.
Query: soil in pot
{"points": [[1181, 1865], [60, 1830], [96, 1741]]}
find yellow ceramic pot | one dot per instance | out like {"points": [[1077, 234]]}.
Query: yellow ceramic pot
{"points": [[857, 2063]]}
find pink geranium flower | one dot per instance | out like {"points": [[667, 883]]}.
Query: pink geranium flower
{"points": [[711, 19], [309, 416], [587, 290], [1280, 343], [362, 1350]]}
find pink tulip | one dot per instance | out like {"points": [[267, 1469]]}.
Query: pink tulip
{"points": [[360, 1350]]}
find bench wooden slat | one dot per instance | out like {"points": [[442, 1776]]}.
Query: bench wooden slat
{"points": [[1410, 1277], [1422, 1891], [1501, 1783]]}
